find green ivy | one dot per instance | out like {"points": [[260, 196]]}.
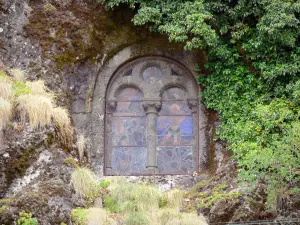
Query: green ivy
{"points": [[251, 75]]}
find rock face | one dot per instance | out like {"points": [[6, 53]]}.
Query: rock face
{"points": [[74, 46]]}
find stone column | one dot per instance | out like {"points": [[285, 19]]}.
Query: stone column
{"points": [[110, 108], [151, 107], [193, 105]]}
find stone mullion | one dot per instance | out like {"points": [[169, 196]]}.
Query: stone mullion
{"points": [[151, 108], [193, 105], [109, 138]]}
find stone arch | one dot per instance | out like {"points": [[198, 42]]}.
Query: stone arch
{"points": [[123, 63]]}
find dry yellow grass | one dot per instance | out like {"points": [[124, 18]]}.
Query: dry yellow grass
{"points": [[6, 91], [18, 74], [5, 112], [81, 145], [39, 88], [84, 182], [175, 198], [65, 128], [38, 109], [98, 216]]}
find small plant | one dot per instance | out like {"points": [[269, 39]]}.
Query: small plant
{"points": [[49, 8], [104, 183], [3, 209], [26, 219], [79, 216], [111, 204], [84, 182]]}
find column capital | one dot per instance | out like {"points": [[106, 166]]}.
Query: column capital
{"points": [[193, 103], [151, 106], [111, 105]]}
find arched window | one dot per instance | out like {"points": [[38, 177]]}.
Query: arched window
{"points": [[151, 119], [129, 133], [175, 133]]}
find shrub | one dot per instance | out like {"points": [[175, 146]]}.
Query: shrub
{"points": [[111, 204], [26, 219], [137, 218], [38, 109], [104, 183], [20, 88], [84, 182], [5, 112], [79, 216], [63, 123]]}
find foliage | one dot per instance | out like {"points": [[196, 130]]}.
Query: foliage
{"points": [[111, 204], [84, 182], [253, 60], [26, 219], [104, 183], [206, 200], [79, 216]]}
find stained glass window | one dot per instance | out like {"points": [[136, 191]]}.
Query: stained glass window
{"points": [[129, 133], [174, 133], [152, 74], [150, 127]]}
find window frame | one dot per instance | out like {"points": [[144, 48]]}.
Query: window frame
{"points": [[152, 104]]}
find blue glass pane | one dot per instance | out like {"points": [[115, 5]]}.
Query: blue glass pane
{"points": [[152, 74], [129, 131], [129, 160], [175, 160], [174, 130]]}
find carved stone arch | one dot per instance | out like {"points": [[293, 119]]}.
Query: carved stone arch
{"points": [[115, 72]]}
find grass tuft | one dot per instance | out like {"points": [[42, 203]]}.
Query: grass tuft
{"points": [[84, 182], [175, 198], [6, 91], [147, 198], [137, 218], [81, 145], [18, 74], [5, 112], [98, 216], [38, 109], [63, 123], [39, 88]]}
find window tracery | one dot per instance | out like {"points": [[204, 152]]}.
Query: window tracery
{"points": [[151, 120]]}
